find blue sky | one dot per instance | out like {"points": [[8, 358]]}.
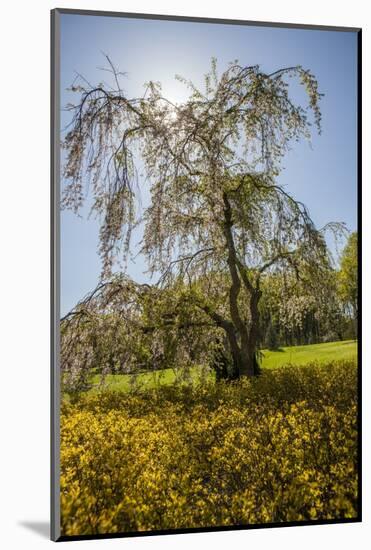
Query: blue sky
{"points": [[323, 176]]}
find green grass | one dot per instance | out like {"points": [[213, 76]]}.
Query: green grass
{"points": [[295, 355], [301, 355]]}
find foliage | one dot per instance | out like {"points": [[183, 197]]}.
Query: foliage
{"points": [[281, 447], [303, 308], [348, 275], [125, 327], [217, 214], [271, 337]]}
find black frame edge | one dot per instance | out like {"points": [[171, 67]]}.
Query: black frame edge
{"points": [[359, 257], [247, 527]]}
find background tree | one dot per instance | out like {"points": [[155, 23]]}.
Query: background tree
{"points": [[217, 212], [302, 309], [348, 278]]}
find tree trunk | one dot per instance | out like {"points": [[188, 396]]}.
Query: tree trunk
{"points": [[244, 350], [237, 358], [243, 342], [254, 334]]}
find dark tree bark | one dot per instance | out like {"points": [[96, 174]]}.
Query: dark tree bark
{"points": [[243, 340]]}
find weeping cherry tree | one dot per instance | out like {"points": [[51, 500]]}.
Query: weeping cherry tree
{"points": [[218, 221]]}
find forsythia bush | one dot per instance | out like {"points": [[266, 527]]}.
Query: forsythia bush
{"points": [[282, 447]]}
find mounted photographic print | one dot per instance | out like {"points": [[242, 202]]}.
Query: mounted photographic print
{"points": [[205, 251]]}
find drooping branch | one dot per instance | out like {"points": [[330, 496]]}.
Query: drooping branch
{"points": [[185, 143]]}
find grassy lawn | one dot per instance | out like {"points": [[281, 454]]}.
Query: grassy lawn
{"points": [[296, 355], [300, 355]]}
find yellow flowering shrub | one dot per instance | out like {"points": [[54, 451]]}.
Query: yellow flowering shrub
{"points": [[282, 447]]}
